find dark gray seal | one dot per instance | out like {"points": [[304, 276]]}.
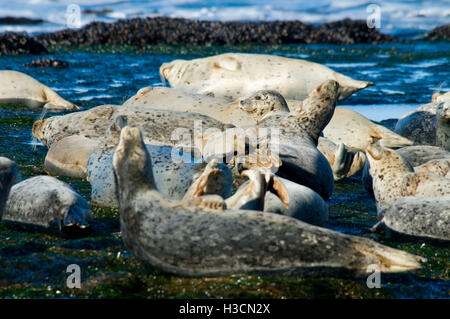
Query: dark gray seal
{"points": [[8, 173], [182, 238]]}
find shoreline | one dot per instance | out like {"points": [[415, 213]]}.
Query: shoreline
{"points": [[139, 33]]}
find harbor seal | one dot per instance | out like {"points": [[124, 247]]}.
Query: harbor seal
{"points": [[164, 98], [419, 217], [441, 97], [294, 139], [416, 155], [419, 125], [8, 173], [187, 240], [346, 126], [437, 166], [160, 127], [393, 177], [233, 75], [443, 125], [45, 203], [68, 156], [17, 88], [173, 175]]}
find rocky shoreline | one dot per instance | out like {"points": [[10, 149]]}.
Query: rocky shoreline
{"points": [[143, 32]]}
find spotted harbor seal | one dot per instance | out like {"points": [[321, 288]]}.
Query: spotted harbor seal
{"points": [[419, 217], [233, 75], [8, 173], [182, 238], [69, 156], [177, 100], [45, 203], [424, 158], [393, 177], [17, 88], [160, 127], [173, 170], [443, 125], [296, 141]]}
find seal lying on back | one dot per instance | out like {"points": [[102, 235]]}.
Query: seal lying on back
{"points": [[419, 217], [393, 177], [160, 127], [45, 203], [17, 88], [233, 75], [182, 238], [8, 173]]}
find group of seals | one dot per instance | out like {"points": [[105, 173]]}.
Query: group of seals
{"points": [[17, 88], [233, 75], [182, 238]]}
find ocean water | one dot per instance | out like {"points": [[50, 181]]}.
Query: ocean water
{"points": [[405, 18]]}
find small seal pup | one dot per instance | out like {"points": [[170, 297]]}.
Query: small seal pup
{"points": [[45, 203], [17, 88], [8, 174], [173, 170], [186, 239], [160, 127], [419, 217], [393, 177], [233, 75], [68, 156]]}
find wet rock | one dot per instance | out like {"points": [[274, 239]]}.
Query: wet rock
{"points": [[47, 63], [140, 32], [19, 20], [439, 33], [18, 43]]}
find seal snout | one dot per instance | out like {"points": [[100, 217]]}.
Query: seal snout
{"points": [[375, 151]]}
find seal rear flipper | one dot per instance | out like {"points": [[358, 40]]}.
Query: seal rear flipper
{"points": [[277, 187], [348, 86], [77, 216]]}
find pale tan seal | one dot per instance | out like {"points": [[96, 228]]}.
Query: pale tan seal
{"points": [[160, 127], [69, 156], [437, 166], [233, 75], [441, 97], [187, 239], [394, 177], [17, 88]]}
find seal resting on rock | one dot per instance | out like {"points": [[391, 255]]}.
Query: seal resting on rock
{"points": [[183, 238], [8, 173], [173, 170], [69, 156], [443, 126], [393, 177], [164, 98], [45, 203], [160, 127], [17, 88], [294, 138], [233, 75], [419, 217]]}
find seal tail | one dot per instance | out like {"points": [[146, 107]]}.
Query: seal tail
{"points": [[389, 139], [387, 259], [348, 86]]}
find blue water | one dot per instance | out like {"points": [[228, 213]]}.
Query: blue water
{"points": [[408, 18]]}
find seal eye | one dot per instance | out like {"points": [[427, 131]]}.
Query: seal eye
{"points": [[257, 97]]}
